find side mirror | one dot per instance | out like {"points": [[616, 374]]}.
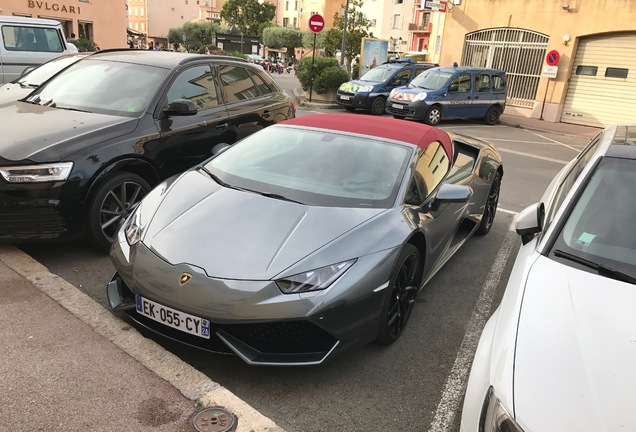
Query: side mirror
{"points": [[453, 87], [454, 193], [530, 222], [181, 107]]}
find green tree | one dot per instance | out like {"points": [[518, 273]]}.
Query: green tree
{"points": [[197, 34], [357, 29], [262, 27], [247, 14], [279, 37]]}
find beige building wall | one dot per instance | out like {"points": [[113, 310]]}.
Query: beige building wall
{"points": [[396, 19], [581, 18], [162, 15], [103, 22]]}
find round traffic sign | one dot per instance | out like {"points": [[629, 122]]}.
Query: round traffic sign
{"points": [[552, 58], [316, 23]]}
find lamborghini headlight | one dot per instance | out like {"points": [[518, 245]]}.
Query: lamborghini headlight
{"points": [[314, 280], [37, 173], [420, 97], [133, 228], [494, 417]]}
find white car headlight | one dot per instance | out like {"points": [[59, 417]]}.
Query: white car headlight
{"points": [[37, 173], [133, 229], [365, 89], [494, 417], [394, 91], [420, 97], [314, 280]]}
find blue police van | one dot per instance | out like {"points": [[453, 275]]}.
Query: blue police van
{"points": [[449, 93], [370, 91]]}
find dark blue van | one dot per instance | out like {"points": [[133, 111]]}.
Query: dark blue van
{"points": [[449, 93], [370, 91]]}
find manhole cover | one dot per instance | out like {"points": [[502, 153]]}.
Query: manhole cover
{"points": [[215, 419]]}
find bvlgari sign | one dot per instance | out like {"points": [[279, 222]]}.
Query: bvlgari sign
{"points": [[55, 7]]}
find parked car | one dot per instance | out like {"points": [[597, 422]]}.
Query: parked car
{"points": [[306, 238], [33, 77], [26, 42], [558, 353], [371, 90], [448, 93], [81, 150]]}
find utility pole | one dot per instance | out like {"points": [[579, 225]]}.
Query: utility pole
{"points": [[344, 33]]}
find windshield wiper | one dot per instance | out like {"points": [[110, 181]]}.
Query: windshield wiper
{"points": [[218, 180], [601, 269], [69, 109], [277, 196]]}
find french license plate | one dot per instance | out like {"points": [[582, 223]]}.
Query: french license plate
{"points": [[398, 106], [344, 97], [172, 318]]}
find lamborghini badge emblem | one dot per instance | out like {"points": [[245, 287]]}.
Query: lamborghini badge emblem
{"points": [[185, 278]]}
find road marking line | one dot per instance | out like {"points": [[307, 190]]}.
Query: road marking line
{"points": [[514, 213], [455, 386], [555, 141], [519, 142], [544, 158]]}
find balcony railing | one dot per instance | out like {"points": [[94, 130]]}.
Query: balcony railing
{"points": [[421, 28]]}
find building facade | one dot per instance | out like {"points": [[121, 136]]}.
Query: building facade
{"points": [[592, 82], [103, 22]]}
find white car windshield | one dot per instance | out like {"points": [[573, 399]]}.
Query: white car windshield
{"points": [[105, 87], [315, 167], [600, 226], [432, 79]]}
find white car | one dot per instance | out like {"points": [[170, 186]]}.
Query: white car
{"points": [[559, 353]]}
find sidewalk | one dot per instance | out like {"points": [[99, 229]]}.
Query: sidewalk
{"points": [[68, 364]]}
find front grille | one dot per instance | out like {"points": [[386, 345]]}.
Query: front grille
{"points": [[397, 111], [31, 221], [282, 337]]}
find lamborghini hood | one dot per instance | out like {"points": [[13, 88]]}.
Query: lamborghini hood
{"points": [[576, 345], [235, 234]]}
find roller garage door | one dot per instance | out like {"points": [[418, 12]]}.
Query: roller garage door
{"points": [[602, 87]]}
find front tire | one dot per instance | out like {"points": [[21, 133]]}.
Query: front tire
{"points": [[490, 208], [492, 115], [433, 115], [113, 201], [404, 283], [378, 106]]}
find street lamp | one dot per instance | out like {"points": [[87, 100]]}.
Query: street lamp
{"points": [[344, 33]]}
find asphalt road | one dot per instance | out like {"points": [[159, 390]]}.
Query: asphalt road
{"points": [[415, 384]]}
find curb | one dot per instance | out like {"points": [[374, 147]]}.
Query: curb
{"points": [[587, 134], [192, 383], [314, 105]]}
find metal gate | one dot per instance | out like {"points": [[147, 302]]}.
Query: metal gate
{"points": [[518, 52]]}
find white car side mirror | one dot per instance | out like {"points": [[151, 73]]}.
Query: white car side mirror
{"points": [[530, 221]]}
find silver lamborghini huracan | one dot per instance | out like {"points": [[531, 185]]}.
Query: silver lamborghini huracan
{"points": [[308, 237]]}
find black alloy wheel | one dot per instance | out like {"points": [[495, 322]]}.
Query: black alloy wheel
{"points": [[113, 202], [492, 115], [378, 106], [403, 286], [433, 115], [490, 208]]}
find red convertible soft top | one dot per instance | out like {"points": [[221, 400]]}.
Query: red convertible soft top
{"points": [[410, 132]]}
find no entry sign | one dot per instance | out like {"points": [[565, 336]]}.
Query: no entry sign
{"points": [[316, 23], [552, 58]]}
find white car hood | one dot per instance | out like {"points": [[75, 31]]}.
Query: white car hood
{"points": [[575, 364]]}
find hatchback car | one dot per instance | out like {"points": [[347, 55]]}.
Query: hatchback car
{"points": [[558, 353], [370, 91], [81, 150], [449, 93]]}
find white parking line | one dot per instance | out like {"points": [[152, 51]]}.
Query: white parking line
{"points": [[555, 141], [518, 141], [455, 386], [530, 155]]}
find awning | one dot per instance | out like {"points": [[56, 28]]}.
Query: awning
{"points": [[134, 32]]}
